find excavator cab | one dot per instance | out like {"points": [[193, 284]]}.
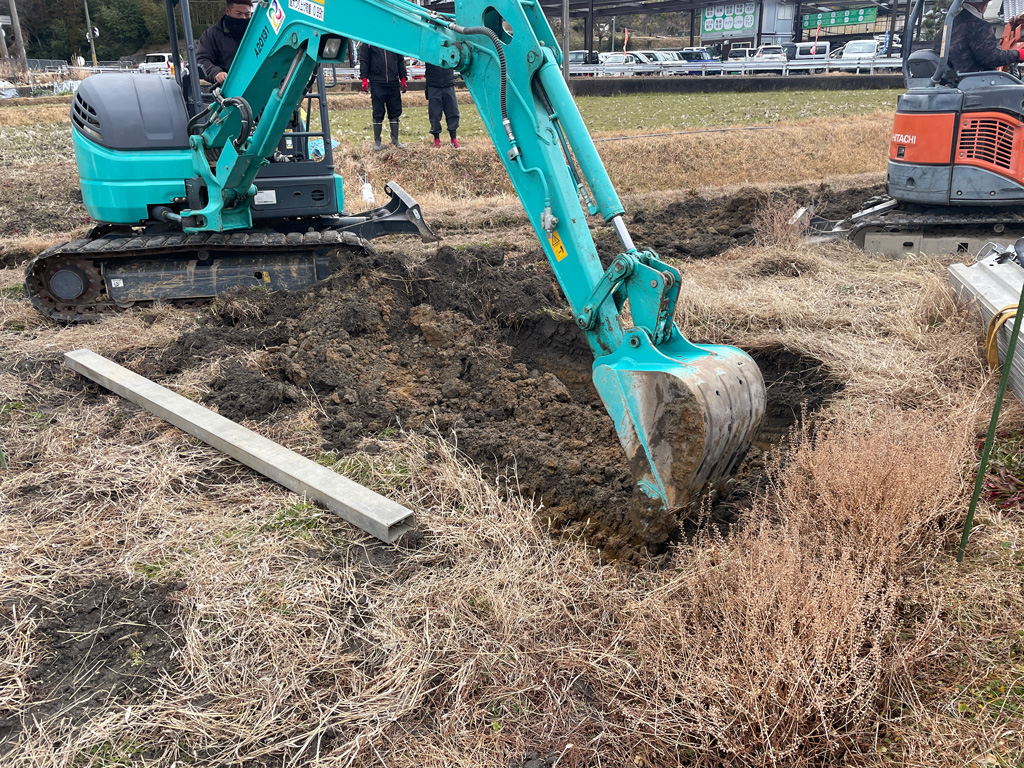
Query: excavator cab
{"points": [[957, 137]]}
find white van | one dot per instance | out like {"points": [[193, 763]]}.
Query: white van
{"points": [[807, 53], [162, 63]]}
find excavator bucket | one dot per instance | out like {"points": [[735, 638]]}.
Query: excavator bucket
{"points": [[685, 413]]}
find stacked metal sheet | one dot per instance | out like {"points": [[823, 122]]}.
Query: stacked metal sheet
{"points": [[993, 286]]}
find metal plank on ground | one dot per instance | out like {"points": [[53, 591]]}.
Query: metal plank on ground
{"points": [[991, 287], [360, 506]]}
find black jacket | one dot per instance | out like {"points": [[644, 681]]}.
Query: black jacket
{"points": [[216, 49], [973, 47], [380, 66], [439, 77]]}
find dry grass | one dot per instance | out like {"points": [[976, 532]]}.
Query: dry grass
{"points": [[31, 114], [475, 180], [777, 645], [887, 328], [832, 627]]}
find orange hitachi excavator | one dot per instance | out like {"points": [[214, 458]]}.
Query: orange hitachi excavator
{"points": [[955, 175]]}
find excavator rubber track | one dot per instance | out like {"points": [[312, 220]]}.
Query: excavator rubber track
{"points": [[83, 280], [947, 230]]}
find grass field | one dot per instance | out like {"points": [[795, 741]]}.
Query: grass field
{"points": [[161, 606], [649, 112]]}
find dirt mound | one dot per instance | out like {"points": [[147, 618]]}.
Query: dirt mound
{"points": [[701, 227], [477, 344]]}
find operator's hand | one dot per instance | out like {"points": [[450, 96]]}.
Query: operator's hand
{"points": [[220, 77], [366, 85], [405, 88]]}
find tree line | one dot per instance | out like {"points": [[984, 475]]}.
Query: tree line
{"points": [[55, 29]]}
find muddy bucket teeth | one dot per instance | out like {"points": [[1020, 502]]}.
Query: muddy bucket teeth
{"points": [[685, 413]]}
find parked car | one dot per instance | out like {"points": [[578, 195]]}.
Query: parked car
{"points": [[699, 56], [807, 53], [654, 57], [858, 55], [738, 56], [162, 63], [699, 49], [770, 53], [581, 57], [620, 59]]}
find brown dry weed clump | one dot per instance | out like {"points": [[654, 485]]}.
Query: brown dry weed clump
{"points": [[472, 177], [782, 642], [32, 114]]}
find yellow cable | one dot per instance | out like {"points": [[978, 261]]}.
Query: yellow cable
{"points": [[991, 344]]}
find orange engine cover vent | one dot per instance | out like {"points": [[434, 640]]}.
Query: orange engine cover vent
{"points": [[987, 140]]}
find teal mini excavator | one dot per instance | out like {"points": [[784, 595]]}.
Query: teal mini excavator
{"points": [[197, 193]]}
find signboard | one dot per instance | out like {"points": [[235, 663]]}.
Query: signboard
{"points": [[721, 22], [5, 20], [839, 18]]}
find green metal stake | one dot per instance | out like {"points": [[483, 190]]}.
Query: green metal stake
{"points": [[990, 438]]}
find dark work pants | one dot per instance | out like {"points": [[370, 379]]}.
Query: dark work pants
{"points": [[385, 97], [443, 100]]}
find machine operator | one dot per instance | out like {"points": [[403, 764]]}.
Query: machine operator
{"points": [[219, 44], [973, 46]]}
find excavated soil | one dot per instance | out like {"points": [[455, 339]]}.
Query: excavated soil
{"points": [[476, 344], [701, 227]]}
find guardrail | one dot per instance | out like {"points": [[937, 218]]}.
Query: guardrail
{"points": [[869, 64], [41, 65]]}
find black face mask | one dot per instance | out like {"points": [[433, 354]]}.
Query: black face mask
{"points": [[235, 27]]}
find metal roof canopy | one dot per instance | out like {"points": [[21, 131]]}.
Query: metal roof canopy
{"points": [[593, 9], [553, 8]]}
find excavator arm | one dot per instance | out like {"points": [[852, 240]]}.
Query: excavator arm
{"points": [[685, 413]]}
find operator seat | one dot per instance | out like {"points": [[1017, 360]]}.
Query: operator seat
{"points": [[923, 63]]}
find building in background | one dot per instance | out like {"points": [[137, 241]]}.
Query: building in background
{"points": [[773, 22]]}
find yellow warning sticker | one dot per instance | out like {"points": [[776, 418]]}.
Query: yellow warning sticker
{"points": [[557, 246]]}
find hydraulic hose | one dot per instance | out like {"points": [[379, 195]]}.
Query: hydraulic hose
{"points": [[503, 77], [244, 113]]}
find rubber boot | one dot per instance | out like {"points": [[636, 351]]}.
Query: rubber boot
{"points": [[377, 127], [455, 142], [394, 135], [437, 141]]}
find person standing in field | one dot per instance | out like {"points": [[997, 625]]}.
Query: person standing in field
{"points": [[219, 44], [384, 76], [441, 98]]}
